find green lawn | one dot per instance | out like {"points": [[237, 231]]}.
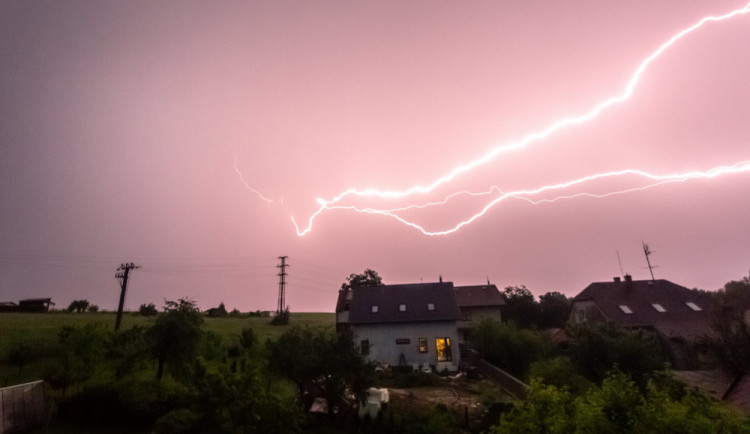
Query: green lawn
{"points": [[39, 331]]}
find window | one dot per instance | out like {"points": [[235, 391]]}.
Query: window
{"points": [[422, 345], [364, 347], [443, 349], [430, 306], [693, 306], [580, 316], [402, 308], [626, 310], [374, 308], [466, 314], [403, 341], [659, 308]]}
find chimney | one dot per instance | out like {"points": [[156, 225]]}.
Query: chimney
{"points": [[628, 278], [617, 279], [441, 278]]}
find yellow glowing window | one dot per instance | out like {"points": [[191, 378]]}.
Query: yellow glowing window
{"points": [[422, 345], [443, 349]]}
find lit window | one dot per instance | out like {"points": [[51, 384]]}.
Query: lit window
{"points": [[659, 308], [364, 347], [422, 345], [430, 306], [693, 306], [625, 309], [402, 308], [374, 308], [443, 349]]}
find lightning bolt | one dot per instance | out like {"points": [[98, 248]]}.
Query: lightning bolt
{"points": [[326, 205], [742, 166], [247, 186]]}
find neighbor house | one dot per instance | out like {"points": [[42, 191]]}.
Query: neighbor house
{"points": [[403, 325], [476, 303], [678, 316]]}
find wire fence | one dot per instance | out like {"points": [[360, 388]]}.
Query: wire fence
{"points": [[22, 407]]}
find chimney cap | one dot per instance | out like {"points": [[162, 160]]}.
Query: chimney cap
{"points": [[617, 279], [628, 278]]}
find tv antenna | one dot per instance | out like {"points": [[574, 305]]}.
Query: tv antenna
{"points": [[648, 252], [619, 261]]}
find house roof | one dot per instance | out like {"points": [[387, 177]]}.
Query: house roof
{"points": [[479, 295], [422, 301], [660, 304], [35, 300]]}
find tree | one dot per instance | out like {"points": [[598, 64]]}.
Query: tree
{"points": [[321, 359], [218, 312], [230, 401], [507, 346], [595, 350], [93, 308], [368, 278], [148, 310], [79, 306], [82, 349], [174, 339], [554, 308], [730, 345], [520, 307], [247, 338]]}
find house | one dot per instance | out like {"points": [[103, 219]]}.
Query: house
{"points": [[476, 303], [676, 314], [8, 306], [403, 325], [35, 305]]}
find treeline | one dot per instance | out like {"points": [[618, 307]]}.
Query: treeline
{"points": [[172, 375]]}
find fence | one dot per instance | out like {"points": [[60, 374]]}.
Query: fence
{"points": [[509, 383], [22, 407]]}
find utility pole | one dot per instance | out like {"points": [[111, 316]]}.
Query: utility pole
{"points": [[282, 284], [648, 252], [123, 272]]}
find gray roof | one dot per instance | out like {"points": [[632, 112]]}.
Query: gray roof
{"points": [[416, 297], [677, 320], [479, 295]]}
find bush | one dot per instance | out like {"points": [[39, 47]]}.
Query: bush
{"points": [[148, 310], [507, 346]]}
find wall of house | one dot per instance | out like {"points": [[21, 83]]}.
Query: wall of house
{"points": [[383, 346], [585, 312], [473, 315]]}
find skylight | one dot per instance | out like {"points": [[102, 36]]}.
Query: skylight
{"points": [[659, 308], [374, 308], [625, 309], [430, 306], [402, 307], [693, 306]]}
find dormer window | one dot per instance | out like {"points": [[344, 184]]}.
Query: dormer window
{"points": [[659, 308], [374, 308], [625, 309], [693, 306], [430, 306], [402, 308]]}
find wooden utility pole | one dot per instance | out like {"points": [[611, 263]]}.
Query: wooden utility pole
{"points": [[123, 272], [282, 284]]}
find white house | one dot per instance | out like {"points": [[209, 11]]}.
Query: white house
{"points": [[406, 325]]}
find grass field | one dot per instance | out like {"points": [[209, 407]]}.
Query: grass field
{"points": [[40, 330]]}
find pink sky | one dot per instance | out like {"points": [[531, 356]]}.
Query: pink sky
{"points": [[120, 123]]}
